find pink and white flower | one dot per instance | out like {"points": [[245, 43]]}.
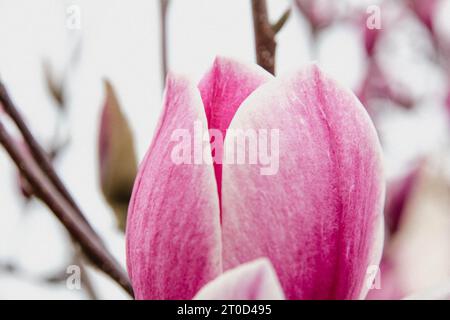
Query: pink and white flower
{"points": [[318, 220]]}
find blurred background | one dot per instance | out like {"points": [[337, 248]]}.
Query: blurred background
{"points": [[65, 62]]}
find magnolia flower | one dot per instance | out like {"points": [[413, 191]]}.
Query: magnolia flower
{"points": [[318, 219]]}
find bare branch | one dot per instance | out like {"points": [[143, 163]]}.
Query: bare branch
{"points": [[36, 150], [265, 44], [49, 193]]}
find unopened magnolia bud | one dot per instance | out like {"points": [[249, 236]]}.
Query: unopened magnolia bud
{"points": [[117, 157]]}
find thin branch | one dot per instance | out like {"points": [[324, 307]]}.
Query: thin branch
{"points": [[164, 4], [46, 190], [37, 151]]}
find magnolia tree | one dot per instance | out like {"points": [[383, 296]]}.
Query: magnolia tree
{"points": [[255, 184]]}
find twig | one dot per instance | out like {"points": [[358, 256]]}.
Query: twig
{"points": [[78, 228], [277, 26], [44, 160], [164, 4], [36, 150]]}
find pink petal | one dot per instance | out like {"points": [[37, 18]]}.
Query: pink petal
{"points": [[255, 280], [223, 89], [173, 230], [318, 219]]}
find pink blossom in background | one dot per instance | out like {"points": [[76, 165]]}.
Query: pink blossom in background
{"points": [[425, 11], [318, 220], [319, 13], [376, 85], [416, 256], [371, 37]]}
